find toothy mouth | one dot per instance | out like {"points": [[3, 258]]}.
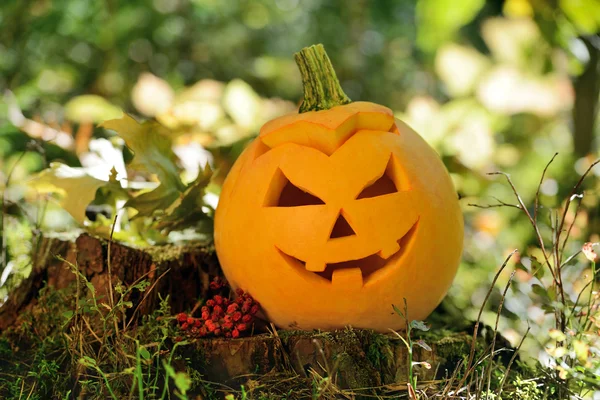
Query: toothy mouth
{"points": [[357, 272]]}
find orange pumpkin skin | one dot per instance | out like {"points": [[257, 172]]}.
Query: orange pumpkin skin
{"points": [[308, 269]]}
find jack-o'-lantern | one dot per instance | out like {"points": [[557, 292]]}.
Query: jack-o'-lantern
{"points": [[334, 214]]}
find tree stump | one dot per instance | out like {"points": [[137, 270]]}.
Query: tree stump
{"points": [[182, 272], [362, 361]]}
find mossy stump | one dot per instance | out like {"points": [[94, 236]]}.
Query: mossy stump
{"points": [[359, 360], [181, 272], [356, 360]]}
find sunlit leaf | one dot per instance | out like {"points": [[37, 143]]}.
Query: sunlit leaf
{"points": [[242, 103], [439, 20], [518, 8], [152, 95], [151, 146], [183, 382], [91, 108], [75, 188], [511, 40], [152, 153], [585, 14], [460, 68], [557, 335], [581, 350]]}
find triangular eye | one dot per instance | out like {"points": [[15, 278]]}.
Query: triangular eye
{"points": [[383, 185], [293, 196], [393, 180], [283, 193]]}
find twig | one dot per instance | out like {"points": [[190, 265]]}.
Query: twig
{"points": [[566, 239], [489, 374], [573, 193], [571, 257], [108, 266], [499, 204], [512, 359], [148, 291], [531, 220], [476, 328], [537, 192]]}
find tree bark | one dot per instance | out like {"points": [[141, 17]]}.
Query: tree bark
{"points": [[361, 361], [585, 109], [183, 273]]}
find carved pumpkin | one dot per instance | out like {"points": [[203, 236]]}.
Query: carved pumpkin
{"points": [[329, 217]]}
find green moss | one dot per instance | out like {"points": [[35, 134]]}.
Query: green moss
{"points": [[286, 335], [452, 347], [166, 253], [379, 351]]}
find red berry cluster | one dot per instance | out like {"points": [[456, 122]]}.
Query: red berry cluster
{"points": [[221, 316], [217, 284]]}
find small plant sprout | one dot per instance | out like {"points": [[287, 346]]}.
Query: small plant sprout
{"points": [[410, 344]]}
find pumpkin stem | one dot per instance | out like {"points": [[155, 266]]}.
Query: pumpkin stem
{"points": [[322, 89]]}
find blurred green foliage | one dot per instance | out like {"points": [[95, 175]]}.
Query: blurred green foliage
{"points": [[492, 85]]}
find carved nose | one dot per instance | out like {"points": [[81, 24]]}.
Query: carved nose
{"points": [[341, 228]]}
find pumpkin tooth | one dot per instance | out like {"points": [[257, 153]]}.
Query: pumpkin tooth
{"points": [[315, 266], [347, 278], [389, 250]]}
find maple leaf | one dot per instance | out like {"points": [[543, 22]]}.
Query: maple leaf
{"points": [[75, 188], [151, 147], [152, 150], [149, 203], [187, 210]]}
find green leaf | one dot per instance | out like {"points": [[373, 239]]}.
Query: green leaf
{"points": [[169, 369], [152, 150], [557, 335], [420, 325], [87, 361], [584, 14], [151, 146], [186, 211], [75, 187], [91, 108], [439, 20], [90, 287], [541, 292], [397, 310], [145, 353], [157, 199], [183, 382]]}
